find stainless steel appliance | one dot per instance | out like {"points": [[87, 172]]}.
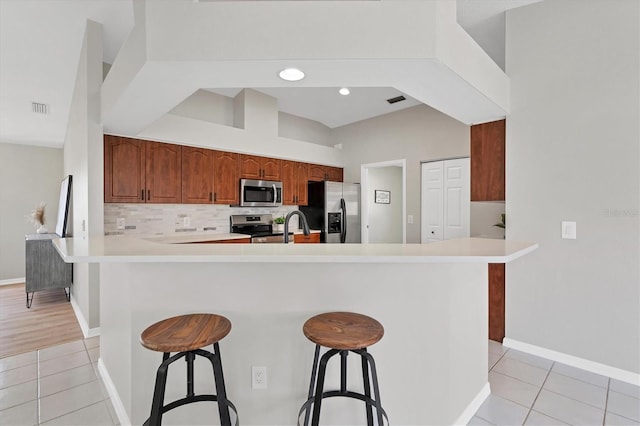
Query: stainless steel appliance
{"points": [[260, 193], [258, 226], [334, 208]]}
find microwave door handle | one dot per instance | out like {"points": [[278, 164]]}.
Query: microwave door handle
{"points": [[275, 195]]}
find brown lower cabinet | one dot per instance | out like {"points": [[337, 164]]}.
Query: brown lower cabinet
{"points": [[302, 239], [496, 301]]}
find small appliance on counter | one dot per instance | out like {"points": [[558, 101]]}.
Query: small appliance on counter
{"points": [[258, 226], [334, 208]]}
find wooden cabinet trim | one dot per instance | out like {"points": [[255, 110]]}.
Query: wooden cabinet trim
{"points": [[488, 161], [496, 301]]}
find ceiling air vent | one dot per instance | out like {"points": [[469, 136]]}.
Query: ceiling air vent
{"points": [[396, 99], [39, 108]]}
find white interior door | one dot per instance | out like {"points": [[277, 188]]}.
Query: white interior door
{"points": [[445, 200], [432, 202], [456, 198]]}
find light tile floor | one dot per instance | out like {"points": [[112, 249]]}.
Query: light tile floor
{"points": [[528, 390], [61, 386]]}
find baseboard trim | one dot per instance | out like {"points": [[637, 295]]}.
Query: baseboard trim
{"points": [[84, 325], [473, 406], [123, 418], [12, 281], [574, 361]]}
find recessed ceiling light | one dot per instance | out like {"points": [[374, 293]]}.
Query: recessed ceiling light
{"points": [[291, 74], [344, 91]]}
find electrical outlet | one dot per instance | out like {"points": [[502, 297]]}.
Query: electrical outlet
{"points": [[186, 221], [258, 377], [568, 230], [410, 219], [120, 223]]}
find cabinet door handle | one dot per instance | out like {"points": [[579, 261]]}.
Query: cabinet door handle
{"points": [[148, 195], [142, 194], [210, 196], [214, 196]]}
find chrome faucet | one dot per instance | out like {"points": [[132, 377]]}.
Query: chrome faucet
{"points": [[305, 225]]}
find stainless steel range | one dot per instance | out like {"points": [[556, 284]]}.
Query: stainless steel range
{"points": [[259, 226]]}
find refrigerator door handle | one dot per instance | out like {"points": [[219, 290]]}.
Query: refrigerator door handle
{"points": [[343, 231]]}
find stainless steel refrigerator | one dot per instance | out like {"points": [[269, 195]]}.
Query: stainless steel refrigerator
{"points": [[334, 208]]}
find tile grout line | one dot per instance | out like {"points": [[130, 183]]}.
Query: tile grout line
{"points": [[538, 394], [606, 401]]}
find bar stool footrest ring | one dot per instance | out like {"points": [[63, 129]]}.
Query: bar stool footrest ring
{"points": [[349, 394], [196, 398]]}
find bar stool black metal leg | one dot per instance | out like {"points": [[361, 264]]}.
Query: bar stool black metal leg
{"points": [[376, 389], [312, 383], [223, 406], [367, 388], [315, 419], [155, 418], [343, 371], [190, 356]]}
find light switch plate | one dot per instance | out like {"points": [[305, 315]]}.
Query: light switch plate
{"points": [[568, 230], [410, 219], [120, 223]]}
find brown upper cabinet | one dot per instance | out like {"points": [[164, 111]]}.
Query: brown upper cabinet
{"points": [[295, 177], [256, 167], [319, 173], [197, 175], [138, 171], [226, 179], [488, 161]]}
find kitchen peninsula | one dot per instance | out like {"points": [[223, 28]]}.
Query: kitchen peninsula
{"points": [[431, 300]]}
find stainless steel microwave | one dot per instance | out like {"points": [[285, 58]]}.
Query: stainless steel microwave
{"points": [[260, 193]]}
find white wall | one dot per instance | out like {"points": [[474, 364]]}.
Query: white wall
{"points": [[207, 106], [28, 175], [573, 154], [385, 220], [416, 134], [300, 128], [83, 159]]}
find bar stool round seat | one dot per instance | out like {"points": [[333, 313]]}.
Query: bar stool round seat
{"points": [[185, 332], [186, 335], [343, 330], [342, 333]]}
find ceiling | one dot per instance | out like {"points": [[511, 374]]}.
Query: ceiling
{"points": [[40, 43]]}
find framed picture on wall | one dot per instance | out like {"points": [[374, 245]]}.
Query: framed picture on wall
{"points": [[383, 197]]}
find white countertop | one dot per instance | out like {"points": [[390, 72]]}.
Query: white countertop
{"points": [[120, 248]]}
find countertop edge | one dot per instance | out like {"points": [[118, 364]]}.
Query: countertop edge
{"points": [[383, 253]]}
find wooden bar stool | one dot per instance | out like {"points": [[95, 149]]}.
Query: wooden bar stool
{"points": [[343, 332], [187, 335]]}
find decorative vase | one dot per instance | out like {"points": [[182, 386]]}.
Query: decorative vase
{"points": [[41, 230]]}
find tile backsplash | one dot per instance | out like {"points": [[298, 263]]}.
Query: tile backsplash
{"points": [[155, 219]]}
